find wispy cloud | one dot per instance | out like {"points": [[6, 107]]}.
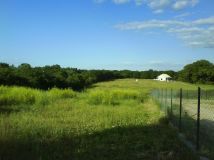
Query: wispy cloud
{"points": [[198, 33], [163, 65], [180, 4], [180, 16], [99, 1], [158, 6], [121, 1], [153, 64]]}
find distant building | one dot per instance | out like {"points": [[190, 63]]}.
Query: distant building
{"points": [[164, 77]]}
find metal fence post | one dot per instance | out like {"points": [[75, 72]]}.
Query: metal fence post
{"points": [[171, 101], [157, 94], [198, 119], [166, 101], [162, 98], [187, 95], [180, 109]]}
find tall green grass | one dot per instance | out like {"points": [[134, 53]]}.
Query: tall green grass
{"points": [[22, 95], [87, 125], [114, 96]]}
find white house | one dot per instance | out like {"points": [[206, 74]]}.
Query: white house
{"points": [[164, 77]]}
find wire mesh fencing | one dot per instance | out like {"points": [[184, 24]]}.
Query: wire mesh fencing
{"points": [[192, 112], [207, 123]]}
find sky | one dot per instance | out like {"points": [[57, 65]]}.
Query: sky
{"points": [[107, 34]]}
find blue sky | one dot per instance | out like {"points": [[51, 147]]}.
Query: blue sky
{"points": [[107, 34]]}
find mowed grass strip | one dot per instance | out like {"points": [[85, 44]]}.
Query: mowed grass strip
{"points": [[83, 127]]}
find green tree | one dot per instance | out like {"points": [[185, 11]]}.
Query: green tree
{"points": [[198, 72]]}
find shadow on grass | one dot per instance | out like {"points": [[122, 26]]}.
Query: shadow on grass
{"points": [[7, 110], [206, 138], [189, 128], [151, 142]]}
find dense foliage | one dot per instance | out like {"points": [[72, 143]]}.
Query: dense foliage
{"points": [[55, 76], [198, 72]]}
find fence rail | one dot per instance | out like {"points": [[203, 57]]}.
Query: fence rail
{"points": [[192, 112]]}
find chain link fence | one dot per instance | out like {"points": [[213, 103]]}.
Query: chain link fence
{"points": [[192, 112]]}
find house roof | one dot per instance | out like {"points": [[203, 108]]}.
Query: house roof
{"points": [[164, 75]]}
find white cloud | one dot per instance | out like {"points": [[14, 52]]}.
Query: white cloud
{"points": [[99, 1], [195, 36], [183, 15], [158, 11], [150, 24], [180, 4], [205, 21], [198, 33], [139, 2], [158, 6], [120, 1], [163, 65]]}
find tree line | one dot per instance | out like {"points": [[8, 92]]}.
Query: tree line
{"points": [[48, 77], [56, 76]]}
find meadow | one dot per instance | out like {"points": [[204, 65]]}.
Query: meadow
{"points": [[110, 120]]}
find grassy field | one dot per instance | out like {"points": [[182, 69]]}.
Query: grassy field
{"points": [[111, 120]]}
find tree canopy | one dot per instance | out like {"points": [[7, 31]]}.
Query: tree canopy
{"points": [[46, 77], [201, 71], [55, 76]]}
